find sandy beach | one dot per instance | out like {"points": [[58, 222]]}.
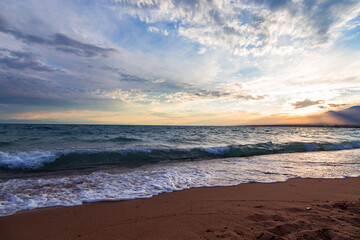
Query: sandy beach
{"points": [[297, 209], [180, 119]]}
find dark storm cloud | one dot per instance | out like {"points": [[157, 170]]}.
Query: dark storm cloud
{"points": [[59, 41]]}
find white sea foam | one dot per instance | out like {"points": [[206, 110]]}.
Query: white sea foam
{"points": [[217, 150], [25, 194], [32, 159]]}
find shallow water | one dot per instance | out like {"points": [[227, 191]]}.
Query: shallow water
{"points": [[50, 165]]}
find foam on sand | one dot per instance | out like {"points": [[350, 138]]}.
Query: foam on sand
{"points": [[25, 194]]}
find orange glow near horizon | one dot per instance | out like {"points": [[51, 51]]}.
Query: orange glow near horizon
{"points": [[226, 118]]}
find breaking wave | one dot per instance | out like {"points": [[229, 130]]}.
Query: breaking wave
{"points": [[65, 160]]}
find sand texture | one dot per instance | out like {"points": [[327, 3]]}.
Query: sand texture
{"points": [[297, 209]]}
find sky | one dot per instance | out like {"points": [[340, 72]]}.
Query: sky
{"points": [[190, 62]]}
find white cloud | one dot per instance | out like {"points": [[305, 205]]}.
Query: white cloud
{"points": [[250, 27], [201, 51], [131, 96], [160, 80], [157, 30], [153, 29], [262, 55]]}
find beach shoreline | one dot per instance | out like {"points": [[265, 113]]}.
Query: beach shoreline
{"points": [[296, 209]]}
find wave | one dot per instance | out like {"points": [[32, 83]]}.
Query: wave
{"points": [[115, 139], [74, 189], [65, 160], [5, 144], [124, 139]]}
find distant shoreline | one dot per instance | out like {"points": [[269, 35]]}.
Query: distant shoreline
{"points": [[246, 125], [303, 125]]}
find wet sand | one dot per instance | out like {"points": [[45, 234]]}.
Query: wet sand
{"points": [[297, 209]]}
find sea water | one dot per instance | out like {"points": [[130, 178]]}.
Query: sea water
{"points": [[66, 165]]}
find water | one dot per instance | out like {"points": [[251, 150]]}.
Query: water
{"points": [[51, 165]]}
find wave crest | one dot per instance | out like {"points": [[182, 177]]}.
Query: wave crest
{"points": [[65, 160]]}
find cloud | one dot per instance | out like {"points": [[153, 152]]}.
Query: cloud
{"points": [[202, 94], [273, 4], [160, 80], [306, 103], [337, 105], [27, 90], [188, 94], [124, 76], [247, 27], [343, 117], [59, 41], [201, 51], [279, 50], [333, 106], [226, 94], [131, 96], [68, 45], [157, 30], [131, 78], [17, 60], [21, 91]]}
